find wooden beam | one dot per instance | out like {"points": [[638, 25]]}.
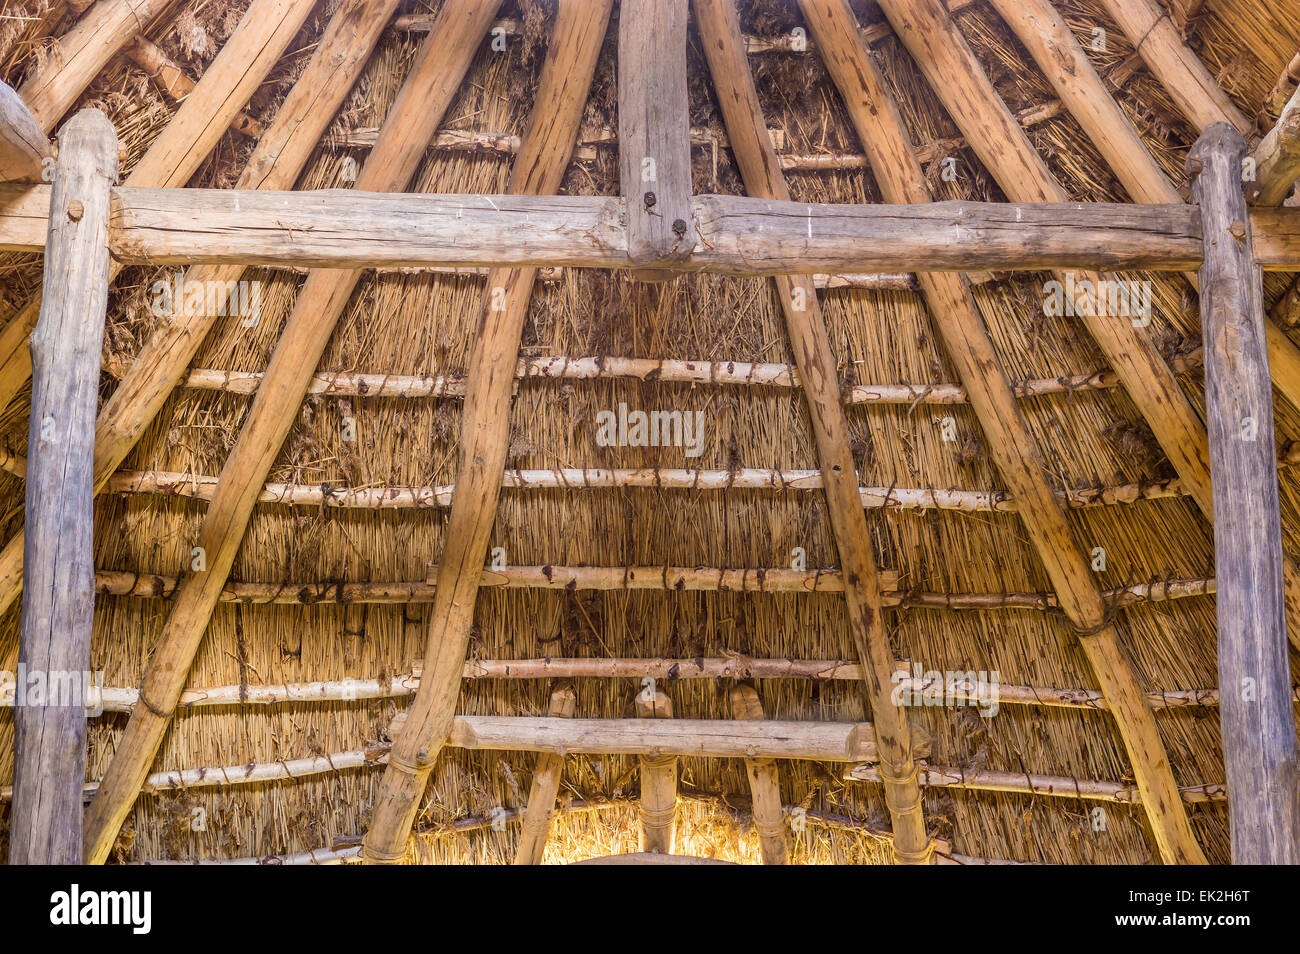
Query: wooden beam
{"points": [[654, 148], [50, 735], [440, 67], [176, 83], [24, 147], [1260, 752], [1193, 88], [82, 52], [657, 807], [1277, 158], [745, 236], [174, 156], [539, 169], [743, 116], [764, 784], [275, 163], [967, 343], [547, 770]]}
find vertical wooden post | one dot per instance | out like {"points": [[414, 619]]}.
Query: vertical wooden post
{"points": [[1255, 710], [654, 149], [546, 783], [658, 809], [764, 785], [58, 591]]}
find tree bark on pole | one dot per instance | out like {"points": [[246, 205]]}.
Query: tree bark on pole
{"points": [[1255, 710], [58, 595]]}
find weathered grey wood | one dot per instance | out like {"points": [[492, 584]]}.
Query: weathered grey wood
{"points": [[58, 562], [23, 144], [745, 236], [1255, 711], [547, 771], [1277, 158], [654, 148]]}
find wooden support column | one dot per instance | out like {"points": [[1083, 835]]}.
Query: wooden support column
{"points": [[725, 51], [174, 156], [1180, 71], [539, 167], [1255, 711], [23, 144], [764, 784], [956, 317], [547, 772], [444, 58], [654, 148], [50, 733], [657, 810]]}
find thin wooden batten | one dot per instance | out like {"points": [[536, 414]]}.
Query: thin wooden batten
{"points": [[441, 65], [538, 169], [880, 128], [720, 36], [1260, 751], [275, 163], [50, 738]]}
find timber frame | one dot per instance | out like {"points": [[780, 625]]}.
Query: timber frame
{"points": [[659, 229]]}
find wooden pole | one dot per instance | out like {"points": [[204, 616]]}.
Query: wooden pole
{"points": [[1180, 71], [1277, 158], [1260, 751], [956, 317], [657, 809], [444, 58], [579, 30], [50, 732], [654, 148], [724, 50], [547, 771], [275, 163], [24, 146], [764, 785]]}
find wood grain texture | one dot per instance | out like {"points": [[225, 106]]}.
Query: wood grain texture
{"points": [[579, 30], [24, 146], [657, 806], [50, 734], [654, 148], [1256, 715], [440, 67], [547, 772], [743, 116], [1277, 158]]}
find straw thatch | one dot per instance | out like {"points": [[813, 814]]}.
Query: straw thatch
{"points": [[422, 324]]}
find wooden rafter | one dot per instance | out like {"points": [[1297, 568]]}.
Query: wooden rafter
{"points": [[24, 147], [547, 771], [880, 127], [1260, 751], [742, 114], [441, 65], [764, 784], [1277, 157], [657, 807], [539, 169]]}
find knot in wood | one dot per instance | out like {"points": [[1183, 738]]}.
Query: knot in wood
{"points": [[649, 199], [76, 210], [679, 228]]}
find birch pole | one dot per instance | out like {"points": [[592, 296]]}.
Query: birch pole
{"points": [[724, 49], [50, 732], [1255, 709], [539, 168], [444, 59]]}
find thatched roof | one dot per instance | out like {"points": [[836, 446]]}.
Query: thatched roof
{"points": [[1045, 779]]}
